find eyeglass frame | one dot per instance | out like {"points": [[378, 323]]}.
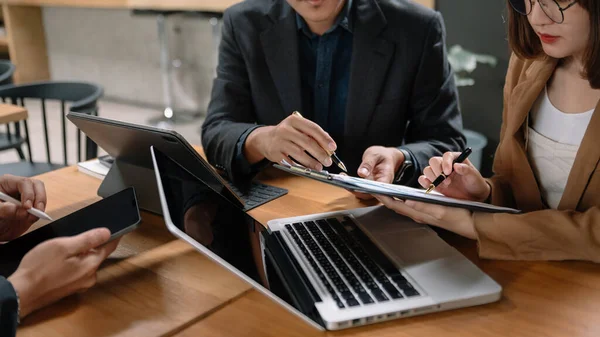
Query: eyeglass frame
{"points": [[561, 9]]}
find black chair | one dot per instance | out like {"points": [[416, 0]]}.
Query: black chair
{"points": [[82, 97], [7, 69], [7, 142]]}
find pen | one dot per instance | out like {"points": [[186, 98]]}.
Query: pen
{"points": [[32, 211], [442, 176], [331, 154]]}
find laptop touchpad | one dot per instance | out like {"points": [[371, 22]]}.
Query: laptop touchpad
{"points": [[414, 246]]}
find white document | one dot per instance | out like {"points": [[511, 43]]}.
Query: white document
{"points": [[93, 168], [393, 190]]}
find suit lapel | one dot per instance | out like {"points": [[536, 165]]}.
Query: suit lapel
{"points": [[528, 196], [280, 45], [527, 91], [585, 163], [371, 56]]}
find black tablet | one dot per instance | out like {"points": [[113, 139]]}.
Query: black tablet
{"points": [[129, 144], [119, 213]]}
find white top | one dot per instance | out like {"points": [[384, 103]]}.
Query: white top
{"points": [[565, 128], [553, 141]]}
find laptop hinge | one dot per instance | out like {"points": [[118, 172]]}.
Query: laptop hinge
{"points": [[291, 276]]}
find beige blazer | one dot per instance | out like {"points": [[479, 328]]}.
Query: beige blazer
{"points": [[570, 232]]}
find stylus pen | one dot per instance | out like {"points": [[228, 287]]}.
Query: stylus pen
{"points": [[331, 154], [442, 176], [32, 211]]}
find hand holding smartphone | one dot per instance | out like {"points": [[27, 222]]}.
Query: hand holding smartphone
{"points": [[119, 213]]}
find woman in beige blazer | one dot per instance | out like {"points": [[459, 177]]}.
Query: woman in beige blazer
{"points": [[547, 161]]}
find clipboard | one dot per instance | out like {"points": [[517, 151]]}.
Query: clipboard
{"points": [[392, 190]]}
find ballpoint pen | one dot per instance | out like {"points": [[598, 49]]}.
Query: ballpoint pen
{"points": [[331, 154], [33, 211], [442, 176]]}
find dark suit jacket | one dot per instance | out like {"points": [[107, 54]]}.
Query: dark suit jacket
{"points": [[8, 309], [401, 85]]}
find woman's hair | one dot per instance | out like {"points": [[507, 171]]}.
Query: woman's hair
{"points": [[525, 43]]}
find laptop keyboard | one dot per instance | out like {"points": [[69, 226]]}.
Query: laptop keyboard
{"points": [[352, 268]]}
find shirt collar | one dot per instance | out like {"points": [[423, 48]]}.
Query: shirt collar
{"points": [[343, 20]]}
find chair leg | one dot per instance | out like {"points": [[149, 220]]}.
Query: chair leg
{"points": [[28, 141], [20, 153], [165, 65], [216, 35]]}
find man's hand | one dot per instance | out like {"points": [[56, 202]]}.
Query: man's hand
{"points": [[379, 164], [295, 137], [60, 267], [15, 220]]}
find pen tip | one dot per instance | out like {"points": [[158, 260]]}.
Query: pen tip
{"points": [[431, 187], [342, 167]]}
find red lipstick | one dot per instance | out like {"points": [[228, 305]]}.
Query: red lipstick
{"points": [[548, 38]]}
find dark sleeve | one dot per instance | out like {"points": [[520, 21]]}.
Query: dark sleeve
{"points": [[9, 309], [230, 112], [435, 125], [242, 169]]}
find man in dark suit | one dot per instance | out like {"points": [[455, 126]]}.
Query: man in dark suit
{"points": [[370, 74]]}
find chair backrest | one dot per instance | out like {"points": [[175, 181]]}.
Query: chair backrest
{"points": [[81, 96], [7, 69]]}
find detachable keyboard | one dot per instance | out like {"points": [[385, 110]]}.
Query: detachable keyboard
{"points": [[352, 268], [257, 194]]}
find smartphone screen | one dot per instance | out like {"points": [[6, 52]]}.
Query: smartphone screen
{"points": [[119, 213]]}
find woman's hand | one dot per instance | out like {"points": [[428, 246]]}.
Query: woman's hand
{"points": [[457, 220], [60, 267], [15, 220], [465, 182]]}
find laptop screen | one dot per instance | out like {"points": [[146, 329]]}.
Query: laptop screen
{"points": [[224, 229]]}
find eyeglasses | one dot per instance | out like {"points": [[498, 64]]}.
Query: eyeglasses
{"points": [[550, 7]]}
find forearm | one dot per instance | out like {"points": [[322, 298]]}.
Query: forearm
{"points": [[255, 143], [540, 235]]}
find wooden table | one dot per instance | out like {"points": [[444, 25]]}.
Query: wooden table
{"points": [[10, 113], [159, 287]]}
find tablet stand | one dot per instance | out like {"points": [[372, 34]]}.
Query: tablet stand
{"points": [[122, 175]]}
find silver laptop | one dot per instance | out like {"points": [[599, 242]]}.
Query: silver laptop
{"points": [[334, 270]]}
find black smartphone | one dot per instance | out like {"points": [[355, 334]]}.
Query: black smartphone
{"points": [[118, 212]]}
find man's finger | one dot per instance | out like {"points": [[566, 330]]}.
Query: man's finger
{"points": [[369, 161], [8, 211], [87, 241], [385, 172], [109, 248], [26, 190], [312, 147], [40, 195], [314, 131], [95, 257]]}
